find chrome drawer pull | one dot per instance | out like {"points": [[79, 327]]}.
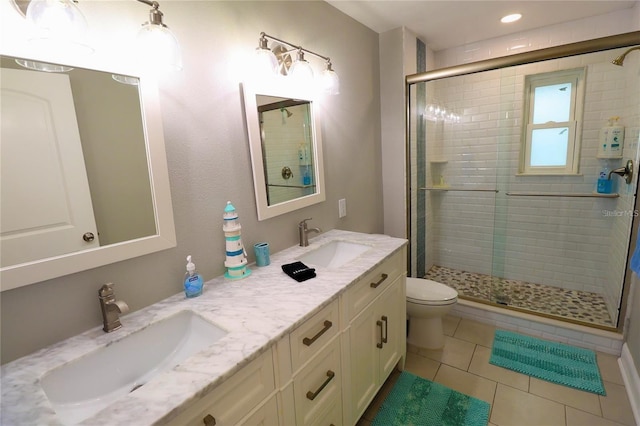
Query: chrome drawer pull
{"points": [[382, 278], [330, 376], [386, 331], [379, 345], [308, 341], [209, 420]]}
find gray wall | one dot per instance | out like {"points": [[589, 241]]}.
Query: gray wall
{"points": [[208, 157]]}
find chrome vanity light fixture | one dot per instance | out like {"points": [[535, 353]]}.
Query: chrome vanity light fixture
{"points": [[61, 22], [266, 61], [156, 43], [278, 60]]}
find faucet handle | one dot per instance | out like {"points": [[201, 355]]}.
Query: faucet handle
{"points": [[303, 223], [106, 290]]}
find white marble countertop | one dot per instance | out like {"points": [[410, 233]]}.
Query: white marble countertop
{"points": [[256, 312]]}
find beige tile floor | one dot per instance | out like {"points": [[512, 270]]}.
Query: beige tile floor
{"points": [[516, 399]]}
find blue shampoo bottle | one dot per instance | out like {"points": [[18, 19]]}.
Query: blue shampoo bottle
{"points": [[193, 281]]}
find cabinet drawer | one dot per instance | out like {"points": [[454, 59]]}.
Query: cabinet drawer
{"points": [[318, 385], [330, 415], [311, 336], [266, 415], [374, 283], [235, 397]]}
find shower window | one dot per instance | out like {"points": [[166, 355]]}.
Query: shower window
{"points": [[553, 113]]}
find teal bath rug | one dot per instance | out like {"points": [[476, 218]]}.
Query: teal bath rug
{"points": [[551, 361], [417, 401]]}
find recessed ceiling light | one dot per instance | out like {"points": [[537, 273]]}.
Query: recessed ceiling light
{"points": [[510, 18]]}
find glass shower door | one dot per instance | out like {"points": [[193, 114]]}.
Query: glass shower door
{"points": [[560, 248], [453, 183]]}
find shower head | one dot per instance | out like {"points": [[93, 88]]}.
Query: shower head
{"points": [[620, 59], [289, 114]]}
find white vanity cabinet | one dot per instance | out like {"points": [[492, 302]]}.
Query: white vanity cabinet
{"points": [[247, 398], [293, 354], [376, 333], [318, 387], [310, 369], [328, 369]]}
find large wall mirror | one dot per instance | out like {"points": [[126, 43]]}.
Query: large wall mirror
{"points": [[283, 125], [84, 178]]}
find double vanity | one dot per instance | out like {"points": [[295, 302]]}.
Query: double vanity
{"points": [[262, 350]]}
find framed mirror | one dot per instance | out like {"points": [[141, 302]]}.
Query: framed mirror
{"points": [[84, 174], [283, 125]]}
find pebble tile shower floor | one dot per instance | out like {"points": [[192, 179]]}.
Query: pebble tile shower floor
{"points": [[575, 305]]}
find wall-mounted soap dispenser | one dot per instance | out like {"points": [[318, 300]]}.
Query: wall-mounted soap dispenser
{"points": [[611, 140]]}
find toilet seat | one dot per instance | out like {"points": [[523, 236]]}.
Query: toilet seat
{"points": [[427, 292]]}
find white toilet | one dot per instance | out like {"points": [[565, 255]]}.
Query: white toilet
{"points": [[427, 302]]}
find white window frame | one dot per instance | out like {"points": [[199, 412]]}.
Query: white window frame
{"points": [[576, 78]]}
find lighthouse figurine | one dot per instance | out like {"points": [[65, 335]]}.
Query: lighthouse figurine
{"points": [[236, 262]]}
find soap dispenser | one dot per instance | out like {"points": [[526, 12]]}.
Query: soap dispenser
{"points": [[193, 282], [604, 184], [611, 140]]}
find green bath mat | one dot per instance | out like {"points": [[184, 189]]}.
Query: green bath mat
{"points": [[551, 361], [417, 401]]}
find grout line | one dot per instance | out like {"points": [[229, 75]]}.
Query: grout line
{"points": [[528, 391], [599, 398]]}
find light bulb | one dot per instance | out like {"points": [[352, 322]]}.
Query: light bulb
{"points": [[330, 81], [158, 48], [511, 18], [265, 62], [60, 22], [301, 71]]}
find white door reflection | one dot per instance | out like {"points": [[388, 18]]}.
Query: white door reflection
{"points": [[46, 202]]}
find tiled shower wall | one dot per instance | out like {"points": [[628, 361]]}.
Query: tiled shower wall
{"points": [[621, 229], [553, 35], [285, 136], [572, 243]]}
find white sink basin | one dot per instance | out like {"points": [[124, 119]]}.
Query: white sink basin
{"points": [[334, 254], [85, 386]]}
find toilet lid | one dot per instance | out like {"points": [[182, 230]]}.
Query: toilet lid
{"points": [[429, 292]]}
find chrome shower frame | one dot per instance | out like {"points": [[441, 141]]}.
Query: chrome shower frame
{"points": [[630, 39]]}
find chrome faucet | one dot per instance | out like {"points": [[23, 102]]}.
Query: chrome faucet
{"points": [[303, 231], [111, 308]]}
